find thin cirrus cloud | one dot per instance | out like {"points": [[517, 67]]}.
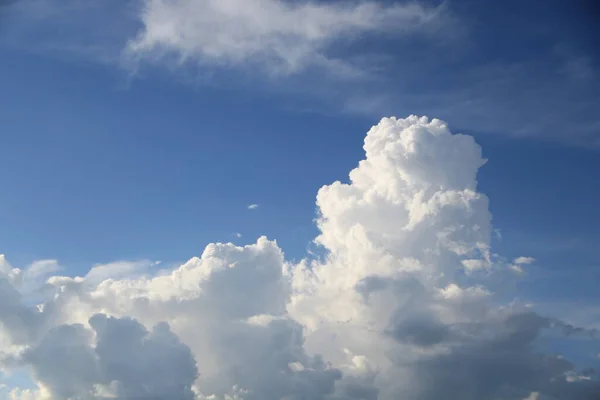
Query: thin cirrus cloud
{"points": [[282, 37], [346, 56], [252, 206], [330, 40], [390, 310]]}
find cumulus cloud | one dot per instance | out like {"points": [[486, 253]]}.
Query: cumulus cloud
{"points": [[117, 358], [402, 304], [283, 36]]}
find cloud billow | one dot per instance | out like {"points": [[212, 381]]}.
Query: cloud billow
{"points": [[401, 306]]}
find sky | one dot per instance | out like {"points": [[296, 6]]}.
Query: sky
{"points": [[270, 199]]}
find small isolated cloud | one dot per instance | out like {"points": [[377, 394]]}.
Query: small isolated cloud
{"points": [[252, 206], [517, 269], [523, 260], [282, 36], [518, 263], [385, 312], [533, 396]]}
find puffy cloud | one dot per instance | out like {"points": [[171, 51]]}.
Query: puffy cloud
{"points": [[498, 364], [404, 279], [283, 36], [119, 358], [19, 324], [402, 303]]}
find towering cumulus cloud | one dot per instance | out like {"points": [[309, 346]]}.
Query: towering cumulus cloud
{"points": [[404, 303]]}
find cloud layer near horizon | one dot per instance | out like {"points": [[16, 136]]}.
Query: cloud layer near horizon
{"points": [[405, 304]]}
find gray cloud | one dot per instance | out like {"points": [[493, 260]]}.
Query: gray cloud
{"points": [[118, 356], [501, 364]]}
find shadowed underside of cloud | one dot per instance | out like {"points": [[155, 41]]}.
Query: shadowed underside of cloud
{"points": [[400, 307]]}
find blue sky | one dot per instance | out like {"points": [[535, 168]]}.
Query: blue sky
{"points": [[105, 158], [154, 167]]}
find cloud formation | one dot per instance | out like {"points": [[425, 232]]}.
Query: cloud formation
{"points": [[404, 303], [313, 43], [283, 37], [117, 358]]}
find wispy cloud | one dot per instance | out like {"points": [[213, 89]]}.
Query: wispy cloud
{"points": [[299, 49], [252, 206], [42, 267], [282, 37], [524, 260], [119, 270], [574, 63], [70, 28]]}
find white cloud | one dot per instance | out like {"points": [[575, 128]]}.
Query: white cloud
{"points": [[388, 312], [516, 269], [252, 206], [41, 268], [523, 260], [117, 270], [333, 35], [282, 36], [7, 270]]}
